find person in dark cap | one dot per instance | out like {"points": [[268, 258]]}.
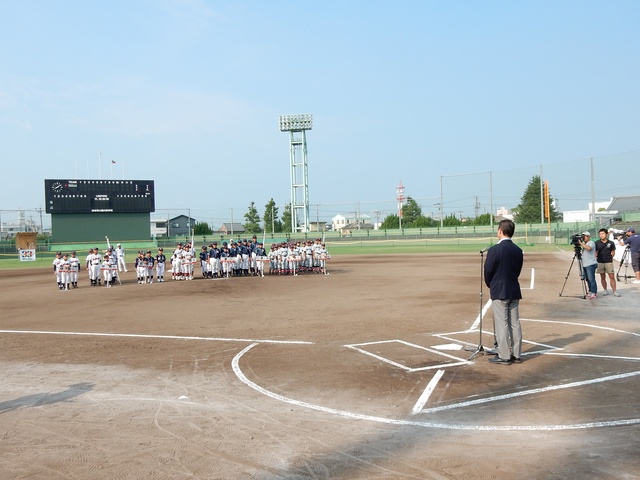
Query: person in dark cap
{"points": [[632, 240], [161, 260], [74, 264], [204, 261], [57, 269], [149, 264]]}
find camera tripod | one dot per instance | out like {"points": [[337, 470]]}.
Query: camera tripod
{"points": [[624, 261], [577, 255]]}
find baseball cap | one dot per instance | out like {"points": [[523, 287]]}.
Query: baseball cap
{"points": [[631, 229], [586, 234]]}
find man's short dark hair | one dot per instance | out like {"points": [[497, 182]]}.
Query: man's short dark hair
{"points": [[507, 227], [603, 230]]}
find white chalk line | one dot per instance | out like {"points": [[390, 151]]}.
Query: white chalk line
{"points": [[165, 337], [480, 316], [417, 408], [458, 361], [582, 325], [577, 426], [530, 392]]}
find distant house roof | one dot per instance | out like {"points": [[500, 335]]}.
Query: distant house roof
{"points": [[358, 226], [629, 203], [191, 219], [227, 228]]}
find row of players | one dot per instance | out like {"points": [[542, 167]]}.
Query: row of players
{"points": [[233, 259], [246, 258], [67, 268]]}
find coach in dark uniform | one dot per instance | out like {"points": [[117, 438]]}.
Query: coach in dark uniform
{"points": [[501, 272]]}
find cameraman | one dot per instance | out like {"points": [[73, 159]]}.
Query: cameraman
{"points": [[589, 263], [633, 241]]}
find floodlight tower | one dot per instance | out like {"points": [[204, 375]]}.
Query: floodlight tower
{"points": [[297, 125], [400, 198]]}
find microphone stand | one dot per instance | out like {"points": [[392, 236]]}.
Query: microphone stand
{"points": [[480, 349]]}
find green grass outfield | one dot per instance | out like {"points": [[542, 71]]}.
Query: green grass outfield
{"points": [[364, 247]]}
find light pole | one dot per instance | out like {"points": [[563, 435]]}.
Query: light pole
{"points": [[297, 125]]}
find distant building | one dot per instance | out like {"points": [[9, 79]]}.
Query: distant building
{"points": [[602, 212], [9, 229], [626, 204], [351, 221], [503, 213], [159, 227], [231, 228], [180, 226]]}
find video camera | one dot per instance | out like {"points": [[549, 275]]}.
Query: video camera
{"points": [[576, 240]]}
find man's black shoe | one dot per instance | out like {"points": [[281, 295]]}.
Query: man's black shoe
{"points": [[500, 361], [515, 360]]}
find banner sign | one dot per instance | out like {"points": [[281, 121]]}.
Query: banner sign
{"points": [[27, 255]]}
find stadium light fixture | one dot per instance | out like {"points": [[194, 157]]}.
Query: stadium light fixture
{"points": [[296, 123]]}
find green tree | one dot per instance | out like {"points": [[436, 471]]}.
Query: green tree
{"points": [[271, 222], [286, 219], [252, 224], [451, 221], [411, 211], [423, 222], [484, 219], [202, 228], [529, 208], [390, 222]]}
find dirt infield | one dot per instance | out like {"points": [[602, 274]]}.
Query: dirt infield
{"points": [[357, 374]]}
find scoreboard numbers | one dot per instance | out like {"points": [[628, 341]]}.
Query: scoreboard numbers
{"points": [[99, 196]]}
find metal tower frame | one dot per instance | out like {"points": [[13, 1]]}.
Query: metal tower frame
{"points": [[297, 125]]}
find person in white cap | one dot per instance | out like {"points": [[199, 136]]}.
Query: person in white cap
{"points": [[589, 264], [122, 266]]}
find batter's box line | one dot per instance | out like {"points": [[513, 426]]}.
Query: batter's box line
{"points": [[458, 361], [531, 392], [543, 346]]}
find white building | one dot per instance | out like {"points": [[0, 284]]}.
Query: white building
{"points": [[351, 220], [601, 209]]}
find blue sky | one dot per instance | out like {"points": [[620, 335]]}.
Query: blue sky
{"points": [[188, 93]]}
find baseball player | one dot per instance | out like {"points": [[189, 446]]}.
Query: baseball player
{"points": [[214, 260], [65, 271], [204, 261], [149, 264], [58, 273], [176, 262], [122, 266], [93, 266], [323, 256], [105, 266], [74, 267], [160, 261], [259, 256], [141, 267]]}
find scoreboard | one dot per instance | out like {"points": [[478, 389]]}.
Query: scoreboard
{"points": [[99, 196]]}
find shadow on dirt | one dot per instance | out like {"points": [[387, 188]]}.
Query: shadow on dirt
{"points": [[40, 399]]}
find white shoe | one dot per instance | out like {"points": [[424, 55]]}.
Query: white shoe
{"points": [[605, 293], [616, 294], [636, 281]]}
